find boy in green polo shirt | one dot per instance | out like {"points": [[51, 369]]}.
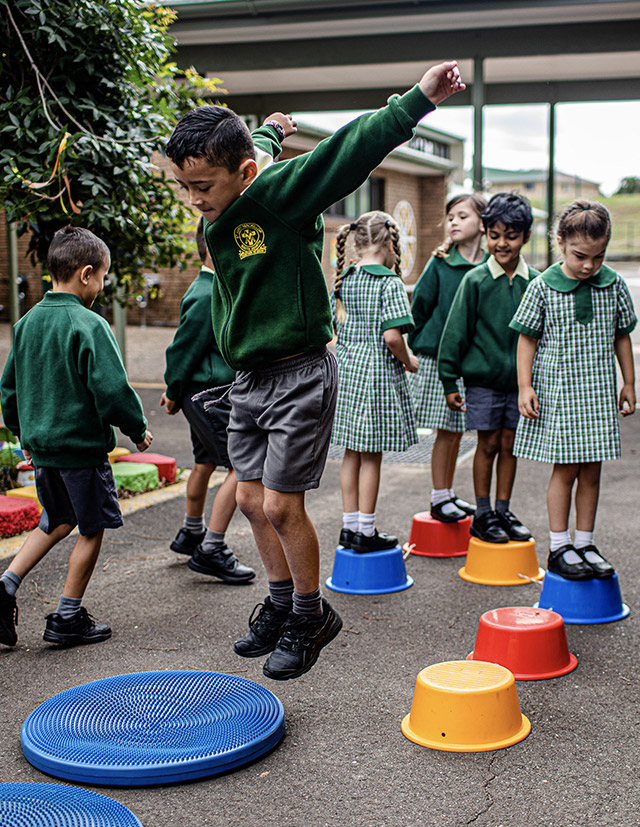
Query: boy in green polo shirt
{"points": [[478, 345], [63, 389], [272, 321]]}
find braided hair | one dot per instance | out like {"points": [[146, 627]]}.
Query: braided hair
{"points": [[372, 230]]}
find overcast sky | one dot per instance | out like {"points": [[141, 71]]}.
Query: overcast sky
{"points": [[598, 141]]}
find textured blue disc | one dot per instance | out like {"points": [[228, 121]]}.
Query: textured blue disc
{"points": [[57, 805], [152, 728]]}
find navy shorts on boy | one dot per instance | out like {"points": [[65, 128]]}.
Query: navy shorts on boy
{"points": [[488, 409], [209, 427], [281, 420], [85, 497]]}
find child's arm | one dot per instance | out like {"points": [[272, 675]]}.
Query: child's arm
{"points": [[528, 404], [624, 354], [458, 332], [394, 340], [424, 301], [9, 401]]}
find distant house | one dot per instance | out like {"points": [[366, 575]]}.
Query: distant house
{"points": [[533, 184]]}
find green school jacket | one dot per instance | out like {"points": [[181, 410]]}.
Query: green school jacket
{"points": [[64, 386], [270, 298], [477, 343]]}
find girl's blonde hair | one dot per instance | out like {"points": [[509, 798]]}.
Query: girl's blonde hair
{"points": [[372, 229], [586, 218], [478, 204]]}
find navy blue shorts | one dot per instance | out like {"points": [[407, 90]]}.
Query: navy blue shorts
{"points": [[85, 497], [209, 428], [489, 410]]}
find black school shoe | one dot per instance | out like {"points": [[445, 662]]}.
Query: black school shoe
{"points": [[186, 542], [79, 629], [452, 515], [377, 542], [570, 571], [265, 630], [602, 569], [302, 640], [221, 563], [488, 528], [346, 538], [8, 617], [463, 505], [513, 527]]}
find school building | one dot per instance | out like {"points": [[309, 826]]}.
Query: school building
{"points": [[411, 184], [533, 184]]}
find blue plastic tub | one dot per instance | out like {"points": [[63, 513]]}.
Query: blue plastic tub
{"points": [[583, 601], [376, 572]]}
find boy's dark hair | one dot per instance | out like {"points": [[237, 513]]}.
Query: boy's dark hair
{"points": [[74, 247], [200, 242], [514, 211], [214, 133]]}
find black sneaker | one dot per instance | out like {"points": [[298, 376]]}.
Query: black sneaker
{"points": [[79, 629], [186, 542], [512, 525], [8, 617], [487, 527], [222, 563], [362, 543], [301, 642], [265, 629], [346, 538]]}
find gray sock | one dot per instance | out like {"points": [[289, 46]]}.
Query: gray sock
{"points": [[483, 505], [308, 605], [281, 593], [68, 607], [195, 525], [11, 581], [213, 540], [502, 506]]}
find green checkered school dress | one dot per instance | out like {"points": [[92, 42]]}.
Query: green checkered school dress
{"points": [[374, 410], [574, 371], [429, 400]]}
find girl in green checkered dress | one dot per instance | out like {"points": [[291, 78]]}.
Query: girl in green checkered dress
{"points": [[574, 321], [374, 411], [432, 300]]}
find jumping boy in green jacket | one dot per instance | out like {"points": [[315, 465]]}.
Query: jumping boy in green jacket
{"points": [[272, 321], [63, 389], [478, 345]]}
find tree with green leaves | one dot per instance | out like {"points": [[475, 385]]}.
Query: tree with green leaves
{"points": [[628, 185], [88, 92]]}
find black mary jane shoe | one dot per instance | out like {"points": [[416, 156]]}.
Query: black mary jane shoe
{"points": [[364, 544], [513, 527], [570, 571], [602, 569], [452, 515], [487, 528], [463, 505], [346, 538]]}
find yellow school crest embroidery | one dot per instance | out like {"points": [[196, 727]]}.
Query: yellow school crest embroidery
{"points": [[250, 240]]}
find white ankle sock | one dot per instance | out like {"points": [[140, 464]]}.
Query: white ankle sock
{"points": [[583, 538], [557, 539], [440, 495], [366, 524], [351, 520]]}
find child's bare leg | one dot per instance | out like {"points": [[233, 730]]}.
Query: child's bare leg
{"points": [[506, 465], [350, 480], [563, 558], [486, 451], [443, 458], [587, 494], [197, 486], [82, 563], [35, 547], [370, 463], [224, 504], [559, 495], [286, 513], [250, 496]]}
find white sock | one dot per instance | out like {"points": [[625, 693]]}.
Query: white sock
{"points": [[451, 493], [367, 523], [440, 495], [583, 538], [557, 539], [351, 520]]}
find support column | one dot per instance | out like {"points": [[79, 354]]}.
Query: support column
{"points": [[14, 302], [551, 176], [120, 322], [477, 99]]}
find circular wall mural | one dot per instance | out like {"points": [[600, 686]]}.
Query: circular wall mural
{"points": [[405, 219]]}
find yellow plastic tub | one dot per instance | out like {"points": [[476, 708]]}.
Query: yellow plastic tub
{"points": [[501, 564]]}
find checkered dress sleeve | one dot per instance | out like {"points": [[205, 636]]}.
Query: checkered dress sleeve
{"points": [[395, 306], [530, 315], [626, 318]]}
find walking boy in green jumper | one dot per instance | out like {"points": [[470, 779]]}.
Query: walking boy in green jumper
{"points": [[478, 345], [272, 321], [63, 389], [193, 365]]}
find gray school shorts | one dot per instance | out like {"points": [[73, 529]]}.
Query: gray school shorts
{"points": [[488, 410], [281, 420], [209, 427], [85, 497]]}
